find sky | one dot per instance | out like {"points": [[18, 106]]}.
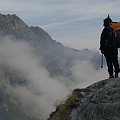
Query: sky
{"points": [[74, 23]]}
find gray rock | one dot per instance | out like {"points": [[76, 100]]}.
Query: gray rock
{"points": [[101, 101], [103, 105]]}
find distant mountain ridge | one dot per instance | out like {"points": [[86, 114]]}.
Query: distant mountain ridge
{"points": [[52, 51]]}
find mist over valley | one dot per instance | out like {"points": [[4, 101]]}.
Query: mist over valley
{"points": [[36, 71]]}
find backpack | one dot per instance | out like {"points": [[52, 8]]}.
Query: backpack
{"points": [[116, 27]]}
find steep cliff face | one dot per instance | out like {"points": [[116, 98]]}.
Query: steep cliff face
{"points": [[100, 101]]}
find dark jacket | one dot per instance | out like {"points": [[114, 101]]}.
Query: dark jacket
{"points": [[107, 41]]}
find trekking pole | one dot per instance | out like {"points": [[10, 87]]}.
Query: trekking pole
{"points": [[102, 61]]}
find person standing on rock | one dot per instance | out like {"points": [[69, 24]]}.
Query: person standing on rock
{"points": [[109, 48]]}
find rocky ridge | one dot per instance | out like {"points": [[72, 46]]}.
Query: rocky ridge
{"points": [[100, 101]]}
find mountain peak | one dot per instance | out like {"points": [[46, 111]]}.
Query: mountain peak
{"points": [[11, 20], [100, 101]]}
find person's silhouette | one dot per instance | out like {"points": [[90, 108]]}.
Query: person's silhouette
{"points": [[109, 48]]}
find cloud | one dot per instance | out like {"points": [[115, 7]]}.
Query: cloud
{"points": [[48, 12], [83, 10], [86, 74], [61, 23], [42, 90]]}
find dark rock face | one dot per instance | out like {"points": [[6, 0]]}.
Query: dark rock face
{"points": [[100, 102]]}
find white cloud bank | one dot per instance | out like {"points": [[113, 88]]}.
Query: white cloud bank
{"points": [[42, 91]]}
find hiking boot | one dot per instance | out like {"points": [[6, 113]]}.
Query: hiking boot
{"points": [[111, 76], [116, 75]]}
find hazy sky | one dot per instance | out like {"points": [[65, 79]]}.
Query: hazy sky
{"points": [[75, 23]]}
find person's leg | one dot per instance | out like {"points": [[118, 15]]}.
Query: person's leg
{"points": [[116, 65], [109, 65]]}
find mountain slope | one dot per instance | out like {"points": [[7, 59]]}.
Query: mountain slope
{"points": [[57, 58], [30, 73], [100, 101]]}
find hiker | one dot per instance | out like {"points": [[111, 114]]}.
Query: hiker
{"points": [[109, 49]]}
